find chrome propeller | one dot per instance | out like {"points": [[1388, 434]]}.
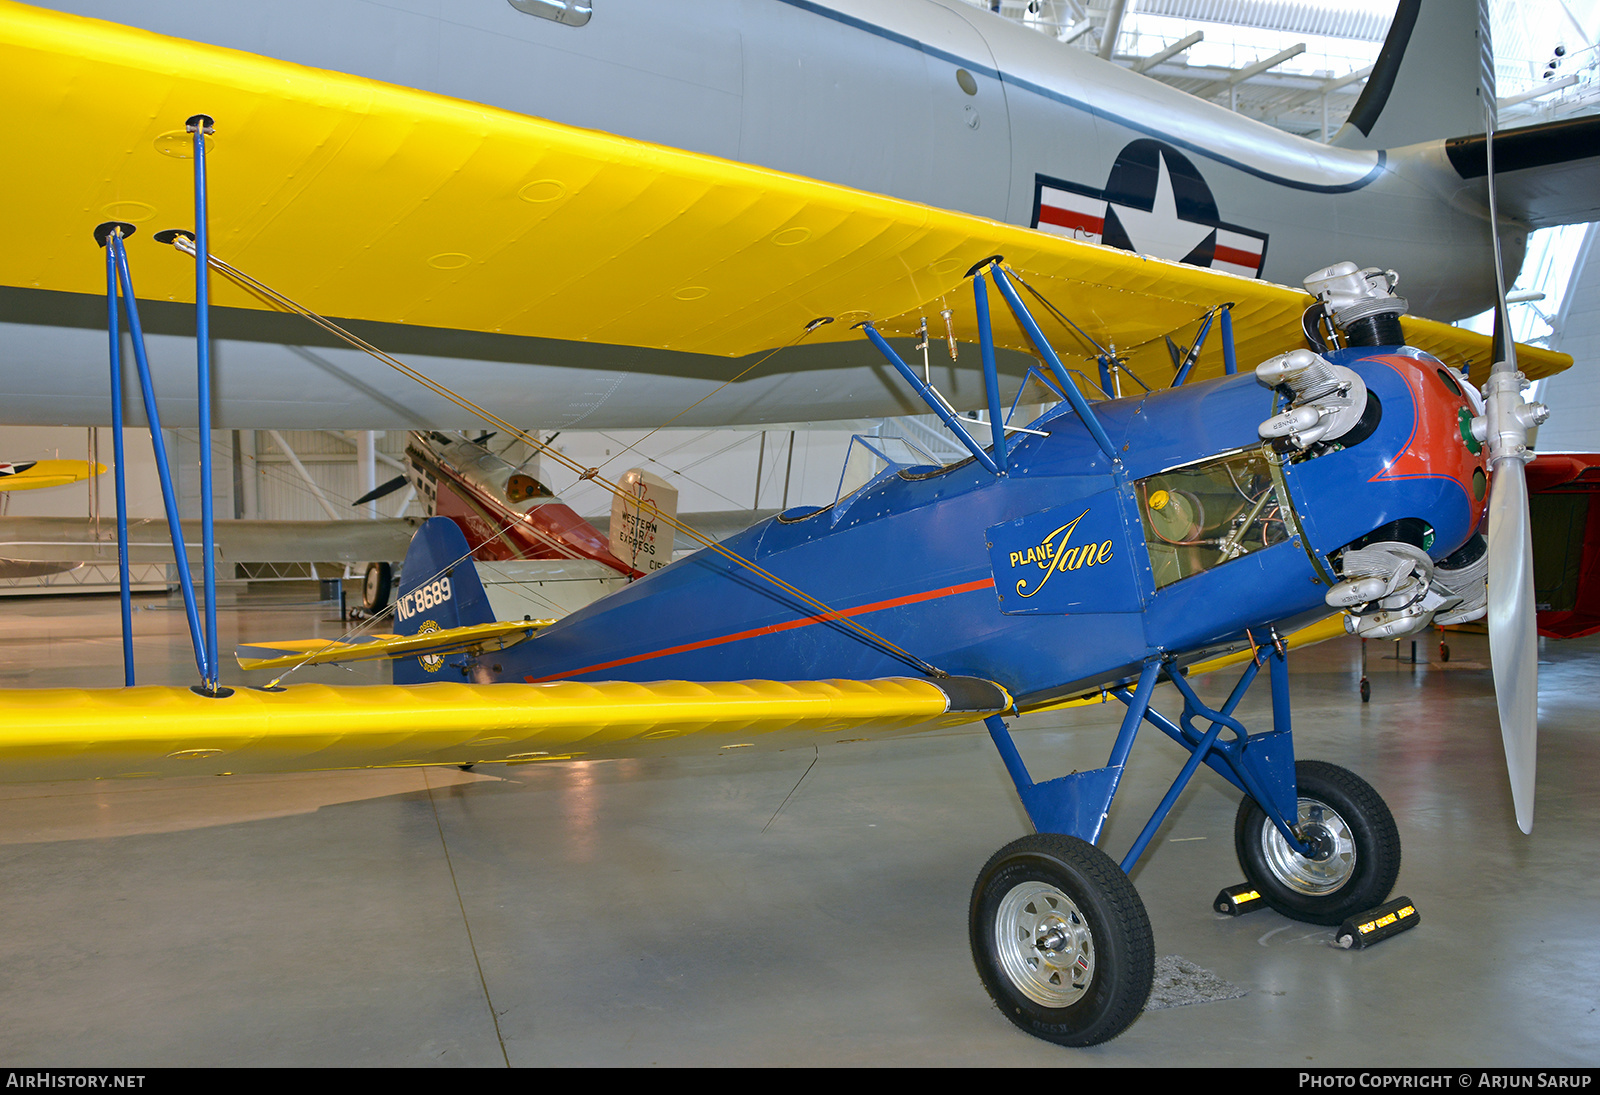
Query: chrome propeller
{"points": [[1513, 636]]}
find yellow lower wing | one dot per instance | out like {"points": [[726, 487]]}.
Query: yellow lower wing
{"points": [[476, 638], [492, 221], [69, 733], [1310, 635]]}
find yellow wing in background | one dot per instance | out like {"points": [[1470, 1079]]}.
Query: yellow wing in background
{"points": [[47, 473], [74, 733], [368, 201], [476, 638]]}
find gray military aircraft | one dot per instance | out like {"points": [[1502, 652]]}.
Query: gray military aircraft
{"points": [[931, 101]]}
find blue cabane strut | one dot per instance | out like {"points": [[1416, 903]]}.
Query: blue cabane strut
{"points": [[200, 126], [1261, 765], [113, 326], [996, 463]]}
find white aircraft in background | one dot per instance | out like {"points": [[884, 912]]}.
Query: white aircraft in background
{"points": [[876, 159], [372, 202]]}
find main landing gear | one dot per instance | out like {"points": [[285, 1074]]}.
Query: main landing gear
{"points": [[1060, 937], [1356, 856]]}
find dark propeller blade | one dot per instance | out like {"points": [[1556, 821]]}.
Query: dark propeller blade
{"points": [[379, 491]]}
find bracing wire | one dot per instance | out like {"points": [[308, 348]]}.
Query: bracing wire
{"points": [[1068, 323], [826, 613]]}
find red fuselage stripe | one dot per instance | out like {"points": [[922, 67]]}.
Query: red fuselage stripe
{"points": [[1236, 256], [773, 629], [1070, 218]]}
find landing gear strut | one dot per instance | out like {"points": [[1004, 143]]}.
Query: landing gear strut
{"points": [[1059, 935]]}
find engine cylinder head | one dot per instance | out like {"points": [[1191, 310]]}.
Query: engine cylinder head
{"points": [[1361, 303], [1328, 400]]}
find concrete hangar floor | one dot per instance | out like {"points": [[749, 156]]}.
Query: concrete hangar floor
{"points": [[763, 909]]}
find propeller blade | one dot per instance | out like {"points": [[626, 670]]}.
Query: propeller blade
{"points": [[379, 491], [1513, 631], [1505, 343], [1513, 637]]}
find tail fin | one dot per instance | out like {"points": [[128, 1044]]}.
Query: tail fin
{"points": [[439, 589], [1431, 80], [639, 535]]}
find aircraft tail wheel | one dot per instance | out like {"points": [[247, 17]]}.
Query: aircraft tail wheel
{"points": [[375, 591], [1366, 690], [1061, 940], [1358, 848]]}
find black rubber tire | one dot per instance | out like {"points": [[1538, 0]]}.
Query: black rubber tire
{"points": [[1368, 828], [375, 590], [1104, 906], [1444, 652], [1366, 691]]}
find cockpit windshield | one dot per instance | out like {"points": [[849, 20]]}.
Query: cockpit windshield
{"points": [[1203, 515]]}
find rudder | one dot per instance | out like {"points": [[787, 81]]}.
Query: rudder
{"points": [[439, 590]]}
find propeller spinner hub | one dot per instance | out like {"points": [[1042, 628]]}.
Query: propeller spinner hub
{"points": [[1506, 421]]}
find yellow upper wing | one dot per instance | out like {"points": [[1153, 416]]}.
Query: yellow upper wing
{"points": [[369, 201]]}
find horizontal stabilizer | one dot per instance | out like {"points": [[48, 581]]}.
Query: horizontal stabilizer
{"points": [[21, 568], [1544, 175], [74, 733], [476, 639]]}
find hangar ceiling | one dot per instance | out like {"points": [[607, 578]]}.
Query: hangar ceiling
{"points": [[1300, 64]]}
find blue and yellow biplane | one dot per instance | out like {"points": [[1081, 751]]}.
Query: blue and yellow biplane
{"points": [[1095, 549]]}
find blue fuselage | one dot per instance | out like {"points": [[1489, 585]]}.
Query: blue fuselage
{"points": [[1057, 577]]}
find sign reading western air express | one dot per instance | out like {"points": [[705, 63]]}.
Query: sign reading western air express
{"points": [[1071, 558]]}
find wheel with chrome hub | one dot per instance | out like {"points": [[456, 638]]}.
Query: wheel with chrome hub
{"points": [[1061, 940], [1354, 855], [1044, 945]]}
